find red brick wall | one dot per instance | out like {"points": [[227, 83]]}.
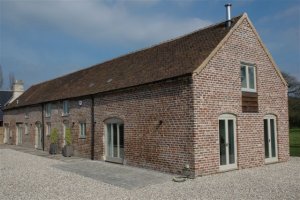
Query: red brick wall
{"points": [[217, 90], [188, 107], [166, 147], [18, 116]]}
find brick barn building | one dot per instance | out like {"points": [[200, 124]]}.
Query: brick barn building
{"points": [[212, 100]]}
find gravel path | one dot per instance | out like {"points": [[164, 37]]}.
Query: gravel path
{"points": [[25, 176]]}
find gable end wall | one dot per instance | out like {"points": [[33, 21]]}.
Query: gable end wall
{"points": [[217, 90]]}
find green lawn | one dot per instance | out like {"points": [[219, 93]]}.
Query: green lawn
{"points": [[295, 142]]}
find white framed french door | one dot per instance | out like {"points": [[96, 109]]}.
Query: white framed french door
{"points": [[270, 139], [6, 134], [19, 134], [227, 142], [38, 135], [114, 140], [65, 126]]}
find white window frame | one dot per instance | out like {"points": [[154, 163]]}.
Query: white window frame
{"points": [[65, 126], [66, 111], [248, 89], [233, 166], [106, 156], [6, 134], [48, 128], [268, 118], [48, 110], [82, 130], [19, 134]]}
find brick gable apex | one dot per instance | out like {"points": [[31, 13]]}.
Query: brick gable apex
{"points": [[225, 39]]}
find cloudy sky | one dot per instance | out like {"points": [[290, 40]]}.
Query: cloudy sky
{"points": [[43, 39]]}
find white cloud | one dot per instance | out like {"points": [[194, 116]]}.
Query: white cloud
{"points": [[99, 21]]}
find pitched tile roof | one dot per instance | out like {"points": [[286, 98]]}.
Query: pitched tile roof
{"points": [[170, 59], [4, 98]]}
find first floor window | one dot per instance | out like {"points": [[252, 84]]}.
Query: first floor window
{"points": [[48, 110], [248, 78], [65, 107]]}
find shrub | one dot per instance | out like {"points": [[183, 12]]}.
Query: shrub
{"points": [[54, 136], [68, 137]]}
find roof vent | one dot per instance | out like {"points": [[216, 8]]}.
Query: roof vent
{"points": [[228, 15]]}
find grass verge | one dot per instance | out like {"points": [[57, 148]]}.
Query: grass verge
{"points": [[295, 142]]}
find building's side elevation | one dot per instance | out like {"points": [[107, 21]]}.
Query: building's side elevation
{"points": [[223, 108]]}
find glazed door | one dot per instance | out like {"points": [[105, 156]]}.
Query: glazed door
{"points": [[39, 136], [19, 134], [115, 142], [227, 139], [270, 139]]}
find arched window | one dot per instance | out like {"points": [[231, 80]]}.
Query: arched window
{"points": [[114, 140], [227, 141]]}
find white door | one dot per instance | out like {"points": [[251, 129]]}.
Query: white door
{"points": [[65, 126], [19, 134], [38, 136], [6, 134], [227, 142], [270, 139]]}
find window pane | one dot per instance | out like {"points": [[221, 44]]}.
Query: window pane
{"points": [[222, 142], [243, 77], [84, 129], [272, 137], [109, 140], [251, 77], [231, 141], [66, 107], [115, 140], [266, 138], [121, 127]]}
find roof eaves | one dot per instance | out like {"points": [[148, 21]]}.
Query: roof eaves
{"points": [[218, 47]]}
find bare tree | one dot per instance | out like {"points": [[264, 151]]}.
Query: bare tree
{"points": [[12, 80], [293, 84], [1, 77]]}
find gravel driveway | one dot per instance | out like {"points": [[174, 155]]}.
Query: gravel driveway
{"points": [[25, 176]]}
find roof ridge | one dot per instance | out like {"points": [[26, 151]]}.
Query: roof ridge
{"points": [[139, 50]]}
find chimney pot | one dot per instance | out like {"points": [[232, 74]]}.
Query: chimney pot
{"points": [[228, 15]]}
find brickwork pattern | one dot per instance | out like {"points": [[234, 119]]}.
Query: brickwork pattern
{"points": [[217, 90], [166, 146], [172, 123]]}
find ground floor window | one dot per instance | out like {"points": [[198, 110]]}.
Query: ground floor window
{"points": [[114, 140], [227, 142], [82, 127]]}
